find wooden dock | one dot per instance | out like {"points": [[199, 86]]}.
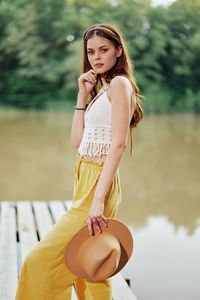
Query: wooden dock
{"points": [[22, 224]]}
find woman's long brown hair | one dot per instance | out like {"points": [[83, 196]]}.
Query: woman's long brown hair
{"points": [[123, 67]]}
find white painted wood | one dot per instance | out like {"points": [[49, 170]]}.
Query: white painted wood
{"points": [[57, 209], [26, 227], [8, 252], [121, 290], [73, 295], [68, 204], [43, 217]]}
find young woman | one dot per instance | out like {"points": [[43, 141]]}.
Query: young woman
{"points": [[108, 106]]}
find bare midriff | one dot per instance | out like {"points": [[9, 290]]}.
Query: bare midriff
{"points": [[94, 159]]}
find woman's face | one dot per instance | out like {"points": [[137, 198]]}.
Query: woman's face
{"points": [[102, 54]]}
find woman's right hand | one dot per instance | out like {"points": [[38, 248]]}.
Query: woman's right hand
{"points": [[86, 82]]}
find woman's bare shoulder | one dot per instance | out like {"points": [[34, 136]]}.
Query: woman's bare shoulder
{"points": [[121, 81], [120, 84]]}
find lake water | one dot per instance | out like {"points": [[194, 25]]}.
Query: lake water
{"points": [[160, 188]]}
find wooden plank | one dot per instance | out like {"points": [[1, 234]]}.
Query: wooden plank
{"points": [[68, 204], [8, 252], [57, 209], [73, 294], [121, 290], [43, 217], [26, 228]]}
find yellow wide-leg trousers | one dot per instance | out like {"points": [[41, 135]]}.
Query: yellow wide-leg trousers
{"points": [[44, 275]]}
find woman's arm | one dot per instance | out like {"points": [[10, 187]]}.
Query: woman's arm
{"points": [[86, 83], [120, 94], [78, 121]]}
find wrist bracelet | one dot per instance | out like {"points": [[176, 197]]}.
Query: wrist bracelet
{"points": [[80, 108]]}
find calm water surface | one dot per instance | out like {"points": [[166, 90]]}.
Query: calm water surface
{"points": [[161, 193]]}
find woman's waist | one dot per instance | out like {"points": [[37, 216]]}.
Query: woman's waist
{"points": [[94, 149], [94, 159]]}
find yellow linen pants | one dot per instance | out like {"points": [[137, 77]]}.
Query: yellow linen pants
{"points": [[44, 275]]}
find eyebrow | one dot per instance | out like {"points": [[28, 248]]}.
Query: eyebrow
{"points": [[99, 47]]}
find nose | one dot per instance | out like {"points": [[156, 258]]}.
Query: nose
{"points": [[97, 55]]}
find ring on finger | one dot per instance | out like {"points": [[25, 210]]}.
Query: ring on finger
{"points": [[95, 222]]}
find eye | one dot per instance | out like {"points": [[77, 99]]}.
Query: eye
{"points": [[103, 50], [90, 52]]}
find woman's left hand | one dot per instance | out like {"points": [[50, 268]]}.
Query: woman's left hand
{"points": [[96, 217]]}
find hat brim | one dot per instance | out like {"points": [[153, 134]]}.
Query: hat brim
{"points": [[116, 228]]}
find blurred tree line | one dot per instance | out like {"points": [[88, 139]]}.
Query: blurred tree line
{"points": [[41, 50]]}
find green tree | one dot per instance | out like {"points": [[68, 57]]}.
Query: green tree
{"points": [[41, 47]]}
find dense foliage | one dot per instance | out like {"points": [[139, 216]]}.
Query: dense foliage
{"points": [[41, 49]]}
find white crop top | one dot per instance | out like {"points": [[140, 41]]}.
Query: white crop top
{"points": [[97, 135]]}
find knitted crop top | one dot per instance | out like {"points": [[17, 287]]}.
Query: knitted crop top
{"points": [[97, 135]]}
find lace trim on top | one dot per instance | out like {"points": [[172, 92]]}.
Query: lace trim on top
{"points": [[96, 141]]}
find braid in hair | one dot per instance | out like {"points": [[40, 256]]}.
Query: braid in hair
{"points": [[131, 141]]}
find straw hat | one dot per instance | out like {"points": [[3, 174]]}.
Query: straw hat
{"points": [[101, 256]]}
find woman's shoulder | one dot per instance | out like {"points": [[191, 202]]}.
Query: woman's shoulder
{"points": [[121, 82]]}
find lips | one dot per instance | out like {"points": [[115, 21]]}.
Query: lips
{"points": [[99, 65]]}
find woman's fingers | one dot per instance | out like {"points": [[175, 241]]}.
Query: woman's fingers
{"points": [[105, 221], [97, 222], [90, 226], [91, 76], [92, 72]]}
